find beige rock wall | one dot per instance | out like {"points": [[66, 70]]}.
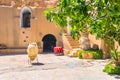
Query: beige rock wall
{"points": [[35, 3], [93, 41], [12, 35]]}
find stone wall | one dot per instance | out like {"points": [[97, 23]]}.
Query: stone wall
{"points": [[12, 35], [34, 3]]}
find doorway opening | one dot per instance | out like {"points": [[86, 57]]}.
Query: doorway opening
{"points": [[49, 42]]}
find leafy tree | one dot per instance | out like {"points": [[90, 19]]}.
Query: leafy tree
{"points": [[77, 13], [106, 23], [101, 16], [75, 10]]}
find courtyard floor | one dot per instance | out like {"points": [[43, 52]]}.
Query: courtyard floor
{"points": [[52, 67]]}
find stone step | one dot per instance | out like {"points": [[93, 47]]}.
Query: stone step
{"points": [[74, 52], [70, 39], [75, 42], [72, 42], [75, 46]]}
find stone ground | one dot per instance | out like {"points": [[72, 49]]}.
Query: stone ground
{"points": [[52, 67]]}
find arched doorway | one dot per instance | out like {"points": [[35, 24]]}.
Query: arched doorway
{"points": [[49, 42]]}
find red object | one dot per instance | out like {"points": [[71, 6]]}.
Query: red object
{"points": [[58, 50]]}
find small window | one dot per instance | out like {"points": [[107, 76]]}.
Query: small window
{"points": [[25, 17]]}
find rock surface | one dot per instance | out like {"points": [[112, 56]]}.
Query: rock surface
{"points": [[51, 67], [34, 3]]}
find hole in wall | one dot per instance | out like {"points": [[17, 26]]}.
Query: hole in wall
{"points": [[24, 41], [23, 32], [27, 37]]}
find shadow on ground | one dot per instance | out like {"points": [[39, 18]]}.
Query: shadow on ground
{"points": [[116, 76], [37, 64]]}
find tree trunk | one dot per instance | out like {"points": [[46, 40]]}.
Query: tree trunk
{"points": [[84, 40], [68, 26], [107, 47]]}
